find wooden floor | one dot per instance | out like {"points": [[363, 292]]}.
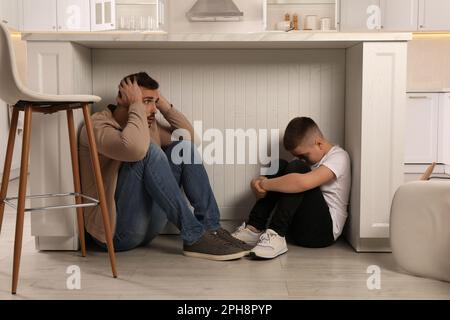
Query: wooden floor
{"points": [[160, 271]]}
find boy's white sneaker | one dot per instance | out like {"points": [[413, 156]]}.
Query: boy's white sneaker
{"points": [[269, 246], [245, 234]]}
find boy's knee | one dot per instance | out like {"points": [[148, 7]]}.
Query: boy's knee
{"points": [[298, 166], [278, 170]]}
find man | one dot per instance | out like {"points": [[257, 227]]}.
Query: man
{"points": [[143, 183]]}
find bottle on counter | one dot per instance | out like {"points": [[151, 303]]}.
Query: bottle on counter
{"points": [[295, 21], [287, 18]]}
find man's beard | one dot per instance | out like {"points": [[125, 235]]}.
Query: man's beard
{"points": [[150, 121]]}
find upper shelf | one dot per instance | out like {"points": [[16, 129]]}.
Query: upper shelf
{"points": [[270, 39]]}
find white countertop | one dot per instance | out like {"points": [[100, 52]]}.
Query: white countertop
{"points": [[270, 39]]}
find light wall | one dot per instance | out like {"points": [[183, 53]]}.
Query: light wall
{"points": [[429, 63], [237, 89]]}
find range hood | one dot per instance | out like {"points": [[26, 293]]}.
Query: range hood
{"points": [[214, 10]]}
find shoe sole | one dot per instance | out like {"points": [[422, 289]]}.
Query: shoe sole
{"points": [[259, 257], [214, 257]]}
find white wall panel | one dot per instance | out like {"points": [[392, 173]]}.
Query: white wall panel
{"points": [[229, 89]]}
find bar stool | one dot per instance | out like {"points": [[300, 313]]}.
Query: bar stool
{"points": [[22, 99]]}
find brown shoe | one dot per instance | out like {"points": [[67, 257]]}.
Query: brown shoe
{"points": [[212, 247], [224, 234]]}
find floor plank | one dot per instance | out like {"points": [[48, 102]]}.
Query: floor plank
{"points": [[160, 271]]}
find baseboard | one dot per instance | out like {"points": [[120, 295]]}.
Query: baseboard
{"points": [[373, 245], [56, 243]]}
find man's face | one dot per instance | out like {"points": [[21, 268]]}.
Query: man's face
{"points": [[149, 99], [310, 152]]}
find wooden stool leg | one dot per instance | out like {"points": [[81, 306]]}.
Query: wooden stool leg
{"points": [[8, 162], [22, 195], [100, 188], [76, 179]]}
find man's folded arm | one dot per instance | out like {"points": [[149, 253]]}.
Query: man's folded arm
{"points": [[128, 145], [178, 120]]}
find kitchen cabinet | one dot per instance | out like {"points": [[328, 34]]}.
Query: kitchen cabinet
{"points": [[428, 129], [39, 15], [68, 15], [376, 148], [399, 15], [52, 15], [9, 13], [422, 128], [427, 137], [444, 131], [434, 15], [394, 15], [73, 15], [103, 15], [359, 15]]}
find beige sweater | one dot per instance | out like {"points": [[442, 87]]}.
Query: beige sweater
{"points": [[116, 145]]}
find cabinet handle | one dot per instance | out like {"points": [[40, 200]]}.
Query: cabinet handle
{"points": [[418, 97], [421, 26], [5, 21]]}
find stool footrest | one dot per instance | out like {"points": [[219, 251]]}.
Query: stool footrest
{"points": [[93, 202]]}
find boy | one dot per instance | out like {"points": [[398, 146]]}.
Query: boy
{"points": [[310, 195]]}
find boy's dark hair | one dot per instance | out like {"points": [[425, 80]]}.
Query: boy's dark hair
{"points": [[298, 130], [144, 80]]}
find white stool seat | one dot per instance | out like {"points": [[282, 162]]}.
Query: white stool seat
{"points": [[11, 88], [420, 228], [43, 99]]}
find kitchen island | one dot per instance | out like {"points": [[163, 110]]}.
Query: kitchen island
{"points": [[352, 84]]}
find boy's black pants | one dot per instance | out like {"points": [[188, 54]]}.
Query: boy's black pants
{"points": [[304, 218]]}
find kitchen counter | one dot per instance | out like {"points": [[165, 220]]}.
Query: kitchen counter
{"points": [[258, 40], [354, 84]]}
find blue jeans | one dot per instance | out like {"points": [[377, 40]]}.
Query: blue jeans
{"points": [[148, 194]]}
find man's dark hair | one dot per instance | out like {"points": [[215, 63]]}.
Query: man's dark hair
{"points": [[144, 80], [298, 130]]}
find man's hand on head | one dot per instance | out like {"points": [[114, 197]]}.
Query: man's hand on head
{"points": [[129, 93], [162, 104]]}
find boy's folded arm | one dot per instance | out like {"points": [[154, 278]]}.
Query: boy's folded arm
{"points": [[299, 182]]}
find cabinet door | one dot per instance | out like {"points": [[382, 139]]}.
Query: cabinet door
{"points": [[444, 131], [39, 15], [74, 15], [9, 13], [103, 15], [399, 15], [434, 15], [360, 15], [421, 128]]}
